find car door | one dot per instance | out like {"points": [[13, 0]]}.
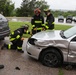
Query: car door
{"points": [[72, 50]]}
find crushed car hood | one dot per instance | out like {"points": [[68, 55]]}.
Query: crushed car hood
{"points": [[48, 35], [50, 38]]}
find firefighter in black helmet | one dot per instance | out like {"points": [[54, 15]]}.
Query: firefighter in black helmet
{"points": [[37, 21], [49, 19], [16, 39]]}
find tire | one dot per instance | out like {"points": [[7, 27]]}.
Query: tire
{"points": [[68, 21], [51, 58]]}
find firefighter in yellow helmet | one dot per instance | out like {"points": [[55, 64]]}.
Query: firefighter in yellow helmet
{"points": [[37, 21], [49, 19]]}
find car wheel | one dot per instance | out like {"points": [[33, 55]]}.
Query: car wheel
{"points": [[68, 21], [51, 58]]}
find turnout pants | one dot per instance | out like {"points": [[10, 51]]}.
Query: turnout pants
{"points": [[16, 44]]}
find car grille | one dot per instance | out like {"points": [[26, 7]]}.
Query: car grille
{"points": [[4, 29], [3, 23], [4, 26]]}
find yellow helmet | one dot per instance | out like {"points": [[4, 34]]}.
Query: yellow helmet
{"points": [[46, 10]]}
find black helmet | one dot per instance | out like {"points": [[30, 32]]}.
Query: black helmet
{"points": [[25, 27]]}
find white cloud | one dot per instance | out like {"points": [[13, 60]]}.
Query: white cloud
{"points": [[55, 4], [17, 3], [62, 4]]}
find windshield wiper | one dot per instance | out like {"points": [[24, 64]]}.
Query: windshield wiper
{"points": [[62, 34]]}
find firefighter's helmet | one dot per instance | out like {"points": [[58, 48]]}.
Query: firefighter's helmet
{"points": [[37, 11], [46, 10]]}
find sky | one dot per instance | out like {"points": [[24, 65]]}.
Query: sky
{"points": [[55, 4]]}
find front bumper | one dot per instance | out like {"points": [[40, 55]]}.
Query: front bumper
{"points": [[33, 51], [4, 34]]}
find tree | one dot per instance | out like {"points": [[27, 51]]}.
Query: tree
{"points": [[7, 7], [42, 5], [2, 5], [28, 6]]}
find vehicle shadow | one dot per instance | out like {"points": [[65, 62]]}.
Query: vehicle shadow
{"points": [[69, 66], [65, 66]]}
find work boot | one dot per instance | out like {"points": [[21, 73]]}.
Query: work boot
{"points": [[3, 46], [21, 51], [1, 66]]}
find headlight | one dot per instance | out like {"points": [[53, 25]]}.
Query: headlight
{"points": [[32, 41]]}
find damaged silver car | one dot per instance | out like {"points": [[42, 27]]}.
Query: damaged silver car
{"points": [[52, 48]]}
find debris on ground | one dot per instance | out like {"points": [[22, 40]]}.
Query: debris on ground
{"points": [[68, 67], [1, 66], [17, 68]]}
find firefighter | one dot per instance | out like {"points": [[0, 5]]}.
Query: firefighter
{"points": [[16, 39], [37, 21], [49, 19]]}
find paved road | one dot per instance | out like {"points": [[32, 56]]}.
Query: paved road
{"points": [[27, 65]]}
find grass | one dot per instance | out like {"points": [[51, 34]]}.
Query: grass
{"points": [[14, 25], [62, 27], [60, 72]]}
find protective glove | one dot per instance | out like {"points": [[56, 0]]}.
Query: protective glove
{"points": [[43, 28], [35, 29], [22, 38]]}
